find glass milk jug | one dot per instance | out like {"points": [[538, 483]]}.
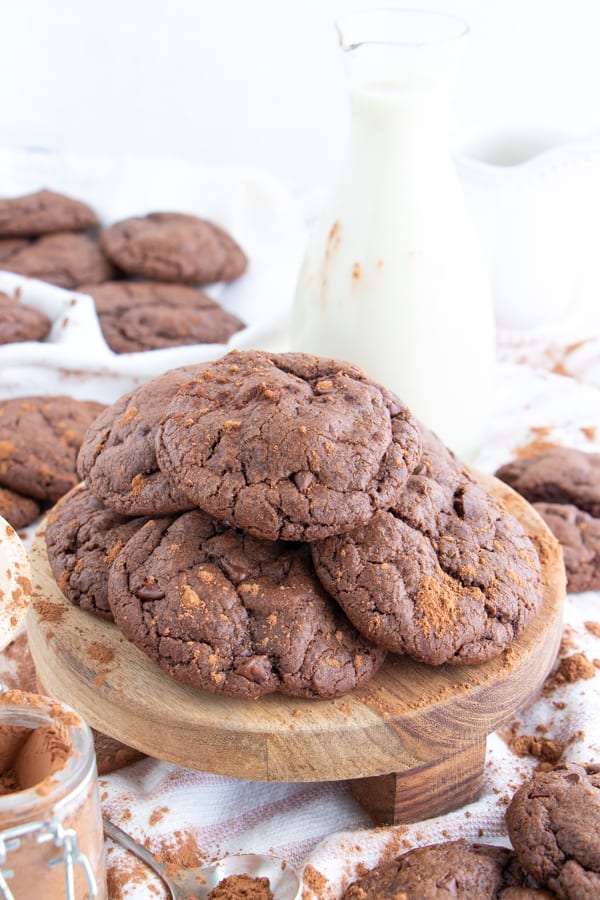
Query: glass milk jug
{"points": [[393, 279]]}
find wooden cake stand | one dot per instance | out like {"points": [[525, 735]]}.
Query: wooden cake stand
{"points": [[412, 739]]}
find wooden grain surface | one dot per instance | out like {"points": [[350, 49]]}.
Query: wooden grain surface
{"points": [[409, 715]]}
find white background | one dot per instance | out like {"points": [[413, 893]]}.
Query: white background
{"points": [[260, 81]]}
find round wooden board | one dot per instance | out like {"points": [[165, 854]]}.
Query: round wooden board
{"points": [[407, 716]]}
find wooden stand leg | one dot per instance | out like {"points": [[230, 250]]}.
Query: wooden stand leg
{"points": [[430, 790]]}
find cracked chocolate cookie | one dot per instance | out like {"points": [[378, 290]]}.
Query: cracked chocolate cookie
{"points": [[18, 510], [83, 540], [39, 441], [224, 612], [65, 259], [554, 824], [446, 575], [578, 533], [118, 458], [453, 869], [44, 212], [137, 316], [174, 247], [19, 322], [287, 446]]}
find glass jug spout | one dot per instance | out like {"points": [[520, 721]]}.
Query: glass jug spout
{"points": [[391, 44], [392, 278]]}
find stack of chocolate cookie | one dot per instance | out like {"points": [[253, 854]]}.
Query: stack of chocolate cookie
{"points": [[563, 484], [278, 522], [50, 236], [54, 238]]}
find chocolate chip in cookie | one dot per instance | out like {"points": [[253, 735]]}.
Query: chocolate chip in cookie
{"points": [[445, 575], [137, 316], [287, 446], [221, 611], [83, 540], [39, 441], [118, 457], [42, 213], [554, 825], [174, 247]]}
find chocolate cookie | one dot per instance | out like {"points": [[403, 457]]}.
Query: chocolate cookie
{"points": [[554, 824], [287, 446], [445, 575], [453, 869], [18, 510], [8, 248], [19, 322], [39, 441], [83, 540], [224, 612], [578, 533], [136, 315], [557, 475], [118, 458], [174, 247], [42, 213], [64, 259]]}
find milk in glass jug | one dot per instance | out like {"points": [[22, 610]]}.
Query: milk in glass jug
{"points": [[393, 278]]}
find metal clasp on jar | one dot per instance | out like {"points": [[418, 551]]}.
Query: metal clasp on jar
{"points": [[64, 838]]}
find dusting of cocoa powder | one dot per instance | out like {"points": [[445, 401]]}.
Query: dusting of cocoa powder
{"points": [[314, 880], [593, 628], [436, 605], [178, 851], [572, 668], [157, 815], [49, 612], [536, 447], [533, 745], [100, 653]]}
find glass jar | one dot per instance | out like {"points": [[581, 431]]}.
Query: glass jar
{"points": [[393, 279], [51, 838]]}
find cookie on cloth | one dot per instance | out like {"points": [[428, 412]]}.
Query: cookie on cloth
{"points": [[287, 446], [83, 539], [117, 457], [174, 247], [20, 511], [20, 322], [564, 486], [65, 259], [221, 611], [553, 822], [39, 441], [8, 247], [138, 315], [578, 533], [455, 869], [44, 212], [557, 475], [446, 575]]}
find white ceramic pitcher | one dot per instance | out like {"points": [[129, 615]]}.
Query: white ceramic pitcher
{"points": [[534, 195]]}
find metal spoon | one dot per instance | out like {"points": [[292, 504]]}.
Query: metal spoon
{"points": [[185, 884]]}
